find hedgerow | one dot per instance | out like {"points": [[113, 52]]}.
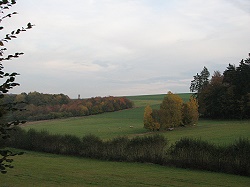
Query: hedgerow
{"points": [[185, 153]]}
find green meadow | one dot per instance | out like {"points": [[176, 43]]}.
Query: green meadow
{"points": [[39, 169], [130, 123], [107, 125]]}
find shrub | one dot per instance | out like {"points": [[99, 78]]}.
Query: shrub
{"points": [[193, 153], [147, 149], [185, 153], [91, 146], [116, 149], [198, 154]]}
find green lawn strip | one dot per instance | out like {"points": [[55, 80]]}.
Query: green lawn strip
{"points": [[218, 132], [158, 97], [39, 169], [144, 100], [106, 126]]}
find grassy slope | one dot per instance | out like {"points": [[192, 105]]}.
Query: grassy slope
{"points": [[30, 169], [37, 169], [218, 132], [143, 100], [110, 125], [106, 125]]}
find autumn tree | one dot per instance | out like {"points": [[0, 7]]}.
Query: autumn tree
{"points": [[7, 83], [171, 111], [190, 114], [150, 122], [148, 119]]}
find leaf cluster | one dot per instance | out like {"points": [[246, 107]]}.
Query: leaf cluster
{"points": [[5, 161], [13, 34], [7, 83]]}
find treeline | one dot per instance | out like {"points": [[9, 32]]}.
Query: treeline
{"points": [[185, 153], [38, 106], [173, 112], [226, 95]]}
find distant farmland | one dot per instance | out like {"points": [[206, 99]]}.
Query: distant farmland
{"points": [[113, 124], [39, 169]]}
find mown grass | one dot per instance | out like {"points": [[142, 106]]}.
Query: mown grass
{"points": [[215, 131], [38, 169], [106, 126], [144, 100]]}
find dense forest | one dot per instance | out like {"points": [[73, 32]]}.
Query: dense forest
{"points": [[38, 106], [224, 96]]}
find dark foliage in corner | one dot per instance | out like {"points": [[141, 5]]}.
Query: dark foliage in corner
{"points": [[7, 83]]}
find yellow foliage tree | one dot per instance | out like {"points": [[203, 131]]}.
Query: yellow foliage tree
{"points": [[148, 119], [171, 111], [190, 112]]}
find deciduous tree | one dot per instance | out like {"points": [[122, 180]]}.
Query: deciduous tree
{"points": [[148, 119], [8, 82], [190, 114], [171, 111]]}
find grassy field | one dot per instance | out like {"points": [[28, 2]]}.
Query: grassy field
{"points": [[218, 132], [110, 125], [107, 125], [144, 100], [38, 169]]}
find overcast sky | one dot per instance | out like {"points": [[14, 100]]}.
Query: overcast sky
{"points": [[124, 47]]}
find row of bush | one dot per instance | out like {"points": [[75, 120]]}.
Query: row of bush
{"points": [[37, 106], [198, 154], [139, 149], [185, 153]]}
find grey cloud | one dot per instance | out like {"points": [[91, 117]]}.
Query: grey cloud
{"points": [[126, 47], [104, 64], [242, 4]]}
